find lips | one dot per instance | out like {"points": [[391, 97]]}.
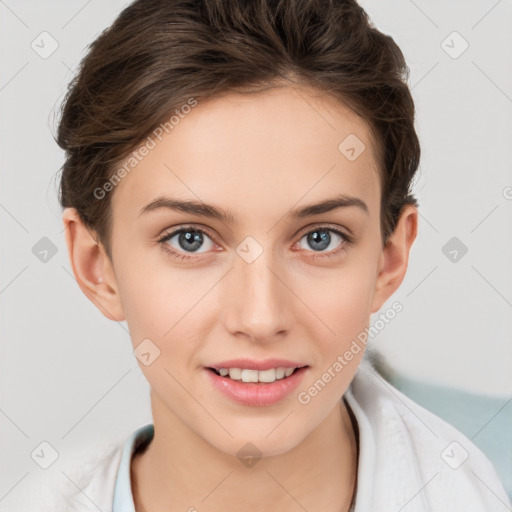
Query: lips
{"points": [[256, 394]]}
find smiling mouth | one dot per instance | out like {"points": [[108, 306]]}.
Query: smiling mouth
{"points": [[256, 376]]}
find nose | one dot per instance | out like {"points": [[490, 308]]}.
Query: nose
{"points": [[260, 303]]}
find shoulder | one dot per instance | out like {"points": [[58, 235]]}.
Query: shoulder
{"points": [[408, 454], [82, 480]]}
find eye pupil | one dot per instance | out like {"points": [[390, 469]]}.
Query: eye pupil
{"points": [[323, 239], [192, 237]]}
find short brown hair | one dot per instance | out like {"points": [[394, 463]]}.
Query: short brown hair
{"points": [[160, 53]]}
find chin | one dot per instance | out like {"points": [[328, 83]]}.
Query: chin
{"points": [[257, 443]]}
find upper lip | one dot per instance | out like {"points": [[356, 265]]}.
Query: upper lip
{"points": [[250, 364]]}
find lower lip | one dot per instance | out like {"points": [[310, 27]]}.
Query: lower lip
{"points": [[257, 393]]}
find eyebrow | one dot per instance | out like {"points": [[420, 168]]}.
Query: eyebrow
{"points": [[226, 216]]}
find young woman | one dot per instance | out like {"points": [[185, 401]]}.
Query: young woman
{"points": [[237, 188]]}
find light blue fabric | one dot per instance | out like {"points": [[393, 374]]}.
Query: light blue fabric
{"points": [[123, 498]]}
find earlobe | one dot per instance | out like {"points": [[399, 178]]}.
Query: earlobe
{"points": [[395, 256], [91, 266]]}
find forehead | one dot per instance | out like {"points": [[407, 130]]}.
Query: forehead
{"points": [[267, 151]]}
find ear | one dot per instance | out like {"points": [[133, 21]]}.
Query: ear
{"points": [[395, 256], [91, 266]]}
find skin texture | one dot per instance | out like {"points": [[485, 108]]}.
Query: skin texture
{"points": [[259, 156]]}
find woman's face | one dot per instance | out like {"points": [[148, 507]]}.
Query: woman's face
{"points": [[262, 283]]}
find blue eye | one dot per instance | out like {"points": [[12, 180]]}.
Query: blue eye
{"points": [[188, 239], [320, 238], [191, 239]]}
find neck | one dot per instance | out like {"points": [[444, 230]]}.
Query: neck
{"points": [[181, 471]]}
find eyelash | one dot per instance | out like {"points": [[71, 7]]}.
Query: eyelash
{"points": [[348, 240]]}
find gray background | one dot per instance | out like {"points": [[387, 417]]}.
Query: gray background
{"points": [[68, 375]]}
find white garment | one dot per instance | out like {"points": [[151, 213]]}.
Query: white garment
{"points": [[409, 460]]}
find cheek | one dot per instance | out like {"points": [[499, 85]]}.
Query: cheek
{"points": [[163, 303], [342, 299], [340, 313], [149, 302]]}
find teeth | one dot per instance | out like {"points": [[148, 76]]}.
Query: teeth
{"points": [[246, 375], [267, 375], [250, 376], [235, 373]]}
